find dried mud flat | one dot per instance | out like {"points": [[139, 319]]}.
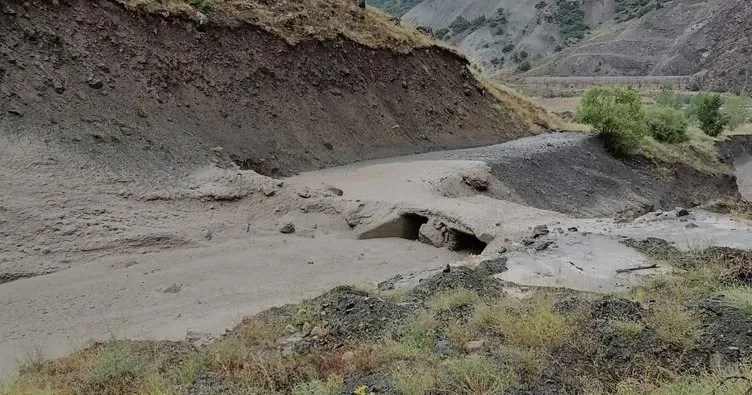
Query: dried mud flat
{"points": [[199, 254]]}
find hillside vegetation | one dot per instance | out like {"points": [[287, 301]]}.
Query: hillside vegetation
{"points": [[297, 20], [395, 7], [457, 332]]}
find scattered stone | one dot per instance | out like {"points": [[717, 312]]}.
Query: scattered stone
{"points": [[287, 228], [573, 229], [478, 184], [389, 284], [10, 11], [268, 191], [305, 194], [16, 112], [682, 213], [473, 346], [447, 269], [95, 83], [493, 266], [172, 289], [58, 87], [290, 329], [558, 229], [310, 262], [543, 245], [540, 230], [208, 235], [198, 339], [444, 349], [334, 190], [691, 225], [527, 241]]}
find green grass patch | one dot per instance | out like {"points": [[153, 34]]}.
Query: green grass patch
{"points": [[740, 299]]}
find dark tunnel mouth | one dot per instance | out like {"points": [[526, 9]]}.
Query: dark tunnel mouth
{"points": [[466, 242]]}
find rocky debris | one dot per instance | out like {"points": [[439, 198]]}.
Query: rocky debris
{"points": [[287, 228], [691, 225], [95, 83], [198, 339], [304, 193], [493, 265], [540, 230], [268, 191], [447, 269], [172, 289], [444, 349], [682, 213], [334, 190], [572, 229], [16, 111], [461, 277], [480, 185], [436, 233], [527, 241], [352, 315], [388, 285], [543, 245]]}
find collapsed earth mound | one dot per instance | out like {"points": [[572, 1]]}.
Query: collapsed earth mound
{"points": [[146, 88]]}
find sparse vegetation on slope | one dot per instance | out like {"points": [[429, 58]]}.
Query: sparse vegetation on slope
{"points": [[395, 7], [298, 20], [454, 333]]}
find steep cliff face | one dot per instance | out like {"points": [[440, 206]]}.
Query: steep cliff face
{"points": [[148, 91]]}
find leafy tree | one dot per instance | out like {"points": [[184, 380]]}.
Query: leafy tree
{"points": [[617, 114], [707, 108]]}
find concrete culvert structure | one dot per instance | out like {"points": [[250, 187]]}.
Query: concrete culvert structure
{"points": [[432, 231]]}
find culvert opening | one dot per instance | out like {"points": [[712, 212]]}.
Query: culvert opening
{"points": [[466, 242], [433, 232], [412, 224], [405, 226]]}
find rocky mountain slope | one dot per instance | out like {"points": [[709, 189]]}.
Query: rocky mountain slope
{"points": [[148, 87], [707, 39], [711, 40]]}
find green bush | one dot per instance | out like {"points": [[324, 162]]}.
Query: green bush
{"points": [[707, 108], [736, 110], [524, 66], [617, 114], [666, 124], [668, 97]]}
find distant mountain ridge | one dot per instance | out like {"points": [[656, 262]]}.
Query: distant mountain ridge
{"points": [[710, 40]]}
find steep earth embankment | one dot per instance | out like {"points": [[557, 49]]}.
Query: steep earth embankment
{"points": [[149, 93]]}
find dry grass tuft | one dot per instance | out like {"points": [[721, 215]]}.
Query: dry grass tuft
{"points": [[533, 116], [116, 367], [527, 325], [740, 299]]}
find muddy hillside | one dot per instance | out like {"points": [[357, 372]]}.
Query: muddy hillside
{"points": [[144, 90]]}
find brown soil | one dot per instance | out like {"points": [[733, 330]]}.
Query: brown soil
{"points": [[142, 92]]}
